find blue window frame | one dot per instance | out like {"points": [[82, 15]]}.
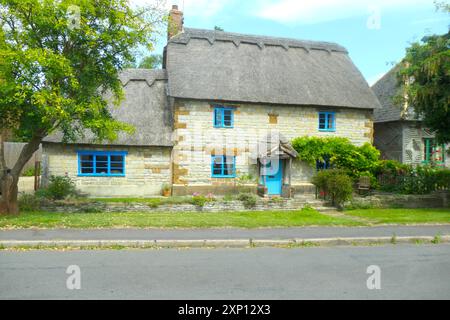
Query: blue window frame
{"points": [[101, 163], [223, 117], [223, 166], [327, 121]]}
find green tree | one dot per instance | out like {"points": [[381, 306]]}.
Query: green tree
{"points": [[153, 61], [424, 77], [58, 58]]}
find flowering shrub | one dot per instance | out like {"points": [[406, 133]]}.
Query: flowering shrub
{"points": [[335, 184]]}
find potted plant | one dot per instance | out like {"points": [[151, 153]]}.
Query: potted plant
{"points": [[166, 190]]}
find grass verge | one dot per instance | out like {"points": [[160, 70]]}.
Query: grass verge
{"points": [[402, 216], [266, 219]]}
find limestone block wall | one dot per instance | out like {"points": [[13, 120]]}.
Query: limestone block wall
{"points": [[196, 139], [147, 170]]}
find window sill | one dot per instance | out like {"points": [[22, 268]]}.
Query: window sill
{"points": [[102, 175], [327, 130], [436, 163], [223, 177]]}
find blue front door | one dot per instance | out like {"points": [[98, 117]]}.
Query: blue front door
{"points": [[274, 177]]}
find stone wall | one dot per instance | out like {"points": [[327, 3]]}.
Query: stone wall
{"points": [[439, 199], [196, 139], [147, 170], [216, 206]]}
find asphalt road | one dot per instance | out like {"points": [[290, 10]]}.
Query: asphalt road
{"points": [[407, 272]]}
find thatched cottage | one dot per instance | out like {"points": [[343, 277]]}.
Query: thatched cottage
{"points": [[399, 134], [224, 106]]}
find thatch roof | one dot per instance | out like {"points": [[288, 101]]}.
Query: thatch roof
{"points": [[145, 107], [222, 66], [386, 89]]}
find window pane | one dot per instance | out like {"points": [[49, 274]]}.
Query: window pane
{"points": [[101, 158], [86, 164], [116, 158], [218, 117], [217, 166], [116, 168], [428, 149], [330, 121], [322, 121], [101, 167], [228, 117], [87, 170], [229, 166], [87, 158]]}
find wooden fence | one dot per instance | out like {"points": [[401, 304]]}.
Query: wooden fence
{"points": [[12, 152]]}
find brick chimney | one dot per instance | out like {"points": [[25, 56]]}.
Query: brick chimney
{"points": [[175, 25]]}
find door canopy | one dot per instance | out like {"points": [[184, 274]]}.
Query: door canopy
{"points": [[275, 145]]}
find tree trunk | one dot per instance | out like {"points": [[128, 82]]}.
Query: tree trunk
{"points": [[9, 189], [10, 177]]}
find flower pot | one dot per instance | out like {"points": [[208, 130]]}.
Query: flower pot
{"points": [[166, 193]]}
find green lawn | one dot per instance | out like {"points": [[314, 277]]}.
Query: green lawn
{"points": [[306, 217], [402, 216], [266, 219]]}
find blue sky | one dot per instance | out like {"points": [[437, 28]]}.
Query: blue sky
{"points": [[375, 32]]}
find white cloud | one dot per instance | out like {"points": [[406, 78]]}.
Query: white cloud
{"points": [[315, 11], [194, 8]]}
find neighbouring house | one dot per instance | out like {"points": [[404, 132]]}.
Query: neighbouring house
{"points": [[225, 106], [399, 135]]}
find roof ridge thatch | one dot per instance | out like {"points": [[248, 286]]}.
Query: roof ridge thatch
{"points": [[148, 75], [261, 41]]}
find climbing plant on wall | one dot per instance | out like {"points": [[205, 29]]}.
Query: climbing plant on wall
{"points": [[342, 154]]}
